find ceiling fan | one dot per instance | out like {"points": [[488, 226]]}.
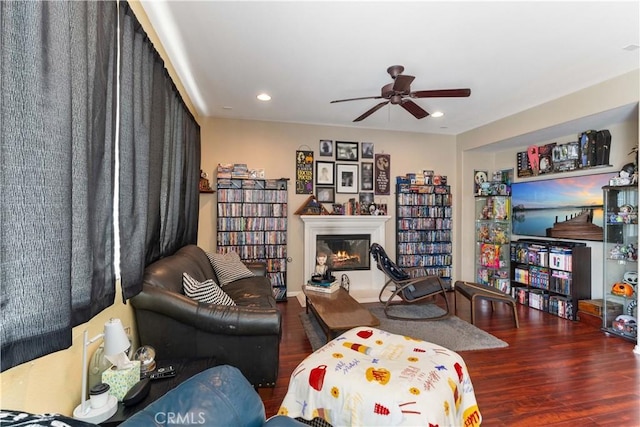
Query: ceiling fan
{"points": [[399, 93]]}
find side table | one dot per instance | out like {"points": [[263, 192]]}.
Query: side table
{"points": [[185, 369]]}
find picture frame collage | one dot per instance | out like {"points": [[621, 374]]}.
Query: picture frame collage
{"points": [[345, 167]]}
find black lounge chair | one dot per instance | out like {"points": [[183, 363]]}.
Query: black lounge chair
{"points": [[411, 285]]}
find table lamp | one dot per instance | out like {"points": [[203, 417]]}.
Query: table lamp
{"points": [[116, 343]]}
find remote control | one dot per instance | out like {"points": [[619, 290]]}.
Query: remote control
{"points": [[164, 372]]}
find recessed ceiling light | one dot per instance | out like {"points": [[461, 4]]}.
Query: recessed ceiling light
{"points": [[631, 47], [437, 114], [264, 97]]}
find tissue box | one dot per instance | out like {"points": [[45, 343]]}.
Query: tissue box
{"points": [[121, 381]]}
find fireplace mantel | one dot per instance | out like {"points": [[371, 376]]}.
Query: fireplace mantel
{"points": [[365, 284]]}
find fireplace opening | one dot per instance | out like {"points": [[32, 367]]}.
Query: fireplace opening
{"points": [[345, 251]]}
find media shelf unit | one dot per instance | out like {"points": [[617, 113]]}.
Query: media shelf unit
{"points": [[423, 227], [620, 256], [493, 237], [252, 221], [551, 275]]}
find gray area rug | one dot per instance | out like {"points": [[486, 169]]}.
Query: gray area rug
{"points": [[452, 332]]}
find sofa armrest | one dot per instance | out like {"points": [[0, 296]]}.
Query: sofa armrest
{"points": [[216, 319]]}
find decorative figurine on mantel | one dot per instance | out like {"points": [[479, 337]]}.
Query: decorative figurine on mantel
{"points": [[204, 182], [322, 273]]}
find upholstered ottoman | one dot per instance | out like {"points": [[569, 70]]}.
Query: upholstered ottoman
{"points": [[368, 377]]}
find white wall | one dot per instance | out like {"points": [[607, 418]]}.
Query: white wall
{"points": [[272, 146]]}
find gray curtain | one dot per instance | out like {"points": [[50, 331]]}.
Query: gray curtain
{"points": [[57, 120], [159, 159]]}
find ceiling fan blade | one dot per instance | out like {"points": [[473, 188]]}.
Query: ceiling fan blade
{"points": [[371, 111], [403, 83], [356, 99], [414, 109], [441, 93]]}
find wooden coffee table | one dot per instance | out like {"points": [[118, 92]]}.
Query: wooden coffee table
{"points": [[338, 312]]}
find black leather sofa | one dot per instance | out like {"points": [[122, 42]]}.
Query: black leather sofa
{"points": [[246, 336]]}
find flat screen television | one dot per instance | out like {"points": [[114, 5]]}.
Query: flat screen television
{"points": [[537, 206]]}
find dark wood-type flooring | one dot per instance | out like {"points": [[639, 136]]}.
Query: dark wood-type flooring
{"points": [[554, 372]]}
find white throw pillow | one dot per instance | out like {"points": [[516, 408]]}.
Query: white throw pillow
{"points": [[228, 267], [207, 291]]}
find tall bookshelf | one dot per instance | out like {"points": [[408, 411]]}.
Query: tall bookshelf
{"points": [[551, 276], [252, 221], [423, 226]]}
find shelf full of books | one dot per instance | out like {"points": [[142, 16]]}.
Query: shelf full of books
{"points": [[551, 275], [252, 221], [423, 223]]}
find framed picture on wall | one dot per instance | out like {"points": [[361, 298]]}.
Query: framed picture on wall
{"points": [[367, 150], [325, 194], [324, 173], [346, 178], [366, 176], [347, 151], [326, 148]]}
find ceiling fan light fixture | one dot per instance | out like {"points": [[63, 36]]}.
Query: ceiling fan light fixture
{"points": [[264, 97], [399, 93], [437, 114]]}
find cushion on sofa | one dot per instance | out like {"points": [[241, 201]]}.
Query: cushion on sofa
{"points": [[228, 267], [207, 291]]}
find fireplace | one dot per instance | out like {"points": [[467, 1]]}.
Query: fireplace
{"points": [[345, 252], [365, 282]]}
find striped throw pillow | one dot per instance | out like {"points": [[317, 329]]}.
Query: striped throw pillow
{"points": [[228, 267], [207, 291]]}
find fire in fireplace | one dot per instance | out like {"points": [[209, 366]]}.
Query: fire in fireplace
{"points": [[345, 252]]}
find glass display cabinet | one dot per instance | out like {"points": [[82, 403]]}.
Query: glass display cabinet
{"points": [[492, 237], [620, 261]]}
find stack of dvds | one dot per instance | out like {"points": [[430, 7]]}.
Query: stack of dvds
{"points": [[240, 171], [323, 286]]}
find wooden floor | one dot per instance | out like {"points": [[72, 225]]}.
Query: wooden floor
{"points": [[554, 372]]}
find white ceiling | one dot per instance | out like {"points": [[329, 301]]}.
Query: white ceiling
{"points": [[512, 55]]}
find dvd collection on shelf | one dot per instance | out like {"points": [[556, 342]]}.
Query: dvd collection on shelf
{"points": [[551, 276], [252, 220], [424, 223]]}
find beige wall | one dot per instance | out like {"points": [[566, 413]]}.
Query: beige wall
{"points": [[550, 121], [272, 146], [52, 383]]}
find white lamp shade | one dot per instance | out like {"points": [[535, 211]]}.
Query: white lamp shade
{"points": [[115, 338]]}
